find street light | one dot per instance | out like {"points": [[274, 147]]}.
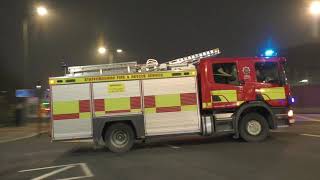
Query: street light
{"points": [[42, 11], [315, 8], [102, 50], [112, 53]]}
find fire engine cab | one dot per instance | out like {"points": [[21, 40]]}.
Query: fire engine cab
{"points": [[117, 104]]}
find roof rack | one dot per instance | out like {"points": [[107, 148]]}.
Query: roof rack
{"points": [[102, 69]]}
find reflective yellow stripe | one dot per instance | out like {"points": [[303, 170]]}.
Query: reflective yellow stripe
{"points": [[135, 110], [273, 93], [114, 104], [150, 110], [65, 107], [265, 97], [225, 95], [100, 113], [86, 115], [137, 76], [189, 108], [168, 100], [207, 105], [204, 105]]}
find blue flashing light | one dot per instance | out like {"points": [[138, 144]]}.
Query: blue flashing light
{"points": [[269, 53], [293, 100]]}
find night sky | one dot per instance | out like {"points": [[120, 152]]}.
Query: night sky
{"points": [[143, 29]]}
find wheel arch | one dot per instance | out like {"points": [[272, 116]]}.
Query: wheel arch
{"points": [[259, 107], [101, 124]]}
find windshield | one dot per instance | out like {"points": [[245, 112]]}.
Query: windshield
{"points": [[269, 72]]}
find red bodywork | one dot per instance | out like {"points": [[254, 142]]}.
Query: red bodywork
{"points": [[248, 86]]}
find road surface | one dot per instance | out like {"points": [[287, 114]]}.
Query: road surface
{"points": [[290, 153]]}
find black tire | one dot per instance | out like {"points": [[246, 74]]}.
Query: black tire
{"points": [[119, 137], [249, 128]]}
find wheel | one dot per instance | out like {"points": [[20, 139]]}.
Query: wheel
{"points": [[253, 127], [119, 137]]}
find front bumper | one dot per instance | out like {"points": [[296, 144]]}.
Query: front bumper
{"points": [[281, 116]]}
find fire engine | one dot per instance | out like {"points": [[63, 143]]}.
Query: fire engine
{"points": [[117, 104]]}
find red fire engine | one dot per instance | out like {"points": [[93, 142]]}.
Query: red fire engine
{"points": [[116, 104]]}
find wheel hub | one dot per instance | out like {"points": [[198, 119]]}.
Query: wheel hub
{"points": [[254, 127], [119, 138]]}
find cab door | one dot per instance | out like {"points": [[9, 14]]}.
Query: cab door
{"points": [[270, 84], [225, 86]]}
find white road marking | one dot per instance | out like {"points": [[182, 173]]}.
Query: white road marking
{"points": [[308, 118], [87, 172], [49, 167], [311, 135], [53, 173], [173, 147]]}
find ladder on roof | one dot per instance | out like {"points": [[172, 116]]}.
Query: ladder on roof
{"points": [[191, 60], [186, 62]]}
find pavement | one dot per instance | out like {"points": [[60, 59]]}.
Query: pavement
{"points": [[290, 153], [13, 133]]}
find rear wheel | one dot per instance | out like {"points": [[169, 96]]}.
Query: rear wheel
{"points": [[119, 137], [253, 127]]}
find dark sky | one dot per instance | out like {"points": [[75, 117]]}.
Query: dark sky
{"points": [[143, 29]]}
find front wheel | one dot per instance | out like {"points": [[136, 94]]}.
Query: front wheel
{"points": [[119, 137], [253, 127]]}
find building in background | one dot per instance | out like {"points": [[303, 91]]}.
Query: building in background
{"points": [[303, 64], [303, 72]]}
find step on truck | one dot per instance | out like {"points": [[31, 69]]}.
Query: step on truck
{"points": [[117, 104]]}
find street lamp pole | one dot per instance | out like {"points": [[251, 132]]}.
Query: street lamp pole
{"points": [[25, 38], [41, 11]]}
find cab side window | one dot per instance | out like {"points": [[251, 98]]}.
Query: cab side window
{"points": [[267, 72], [225, 73]]}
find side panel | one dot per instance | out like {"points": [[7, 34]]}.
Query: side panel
{"points": [[116, 98], [71, 111], [171, 106]]}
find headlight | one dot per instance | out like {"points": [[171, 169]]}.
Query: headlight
{"points": [[290, 113]]}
